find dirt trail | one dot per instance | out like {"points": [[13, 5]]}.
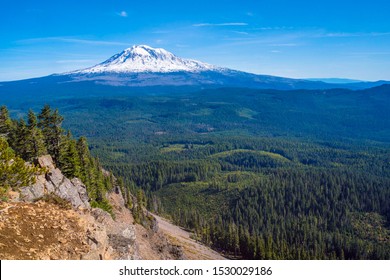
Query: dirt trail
{"points": [[192, 249]]}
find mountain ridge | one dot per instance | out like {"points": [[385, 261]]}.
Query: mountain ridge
{"points": [[142, 66], [142, 58]]}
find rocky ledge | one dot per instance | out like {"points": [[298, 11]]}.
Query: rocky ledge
{"points": [[54, 182], [52, 219]]}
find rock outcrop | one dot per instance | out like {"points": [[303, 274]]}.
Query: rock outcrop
{"points": [[104, 237], [54, 182], [34, 227]]}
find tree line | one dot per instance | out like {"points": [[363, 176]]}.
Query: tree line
{"points": [[314, 202], [25, 141]]}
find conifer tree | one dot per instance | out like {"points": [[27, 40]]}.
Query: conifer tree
{"points": [[19, 139], [45, 135], [84, 158], [14, 172], [69, 160], [35, 141], [5, 122], [50, 123]]}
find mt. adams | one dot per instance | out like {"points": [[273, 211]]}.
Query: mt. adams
{"points": [[146, 59], [143, 66]]}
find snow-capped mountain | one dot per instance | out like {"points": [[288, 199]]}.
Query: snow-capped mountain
{"points": [[142, 66], [142, 58]]}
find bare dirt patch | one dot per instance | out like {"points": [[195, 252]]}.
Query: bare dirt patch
{"points": [[40, 231]]}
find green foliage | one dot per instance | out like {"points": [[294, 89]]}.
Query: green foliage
{"points": [[103, 204], [138, 209], [50, 124], [141, 199], [14, 172], [260, 174], [5, 122], [35, 140], [18, 139], [26, 139], [46, 135], [260, 198], [69, 158]]}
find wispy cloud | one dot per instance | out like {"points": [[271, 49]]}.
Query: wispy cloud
{"points": [[349, 34], [284, 45], [93, 42], [266, 28], [240, 32], [122, 14], [291, 37], [72, 61], [71, 40], [220, 24], [368, 53]]}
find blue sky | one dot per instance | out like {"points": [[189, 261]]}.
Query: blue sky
{"points": [[346, 39]]}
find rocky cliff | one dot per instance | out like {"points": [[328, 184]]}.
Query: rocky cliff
{"points": [[52, 219], [54, 182]]}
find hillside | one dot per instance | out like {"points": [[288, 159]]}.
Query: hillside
{"points": [[48, 227], [46, 215], [257, 174]]}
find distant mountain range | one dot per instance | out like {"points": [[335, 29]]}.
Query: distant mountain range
{"points": [[144, 66], [336, 80]]}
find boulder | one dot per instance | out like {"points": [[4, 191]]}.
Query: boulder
{"points": [[54, 182], [35, 191], [98, 242], [45, 161]]}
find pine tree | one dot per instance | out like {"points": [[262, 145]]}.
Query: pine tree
{"points": [[45, 119], [69, 160], [19, 139], [35, 141], [45, 135], [50, 123], [14, 172], [5, 122], [84, 157]]}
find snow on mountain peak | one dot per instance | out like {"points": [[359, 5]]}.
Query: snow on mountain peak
{"points": [[142, 58]]}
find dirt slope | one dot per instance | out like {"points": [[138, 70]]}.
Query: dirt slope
{"points": [[40, 231], [193, 250]]}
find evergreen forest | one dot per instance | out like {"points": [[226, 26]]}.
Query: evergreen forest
{"points": [[254, 174]]}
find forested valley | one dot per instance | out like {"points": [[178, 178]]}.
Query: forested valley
{"points": [[253, 174], [279, 200]]}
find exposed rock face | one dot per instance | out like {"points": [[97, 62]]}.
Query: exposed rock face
{"points": [[98, 240], [43, 230], [107, 238], [121, 231], [54, 182]]}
